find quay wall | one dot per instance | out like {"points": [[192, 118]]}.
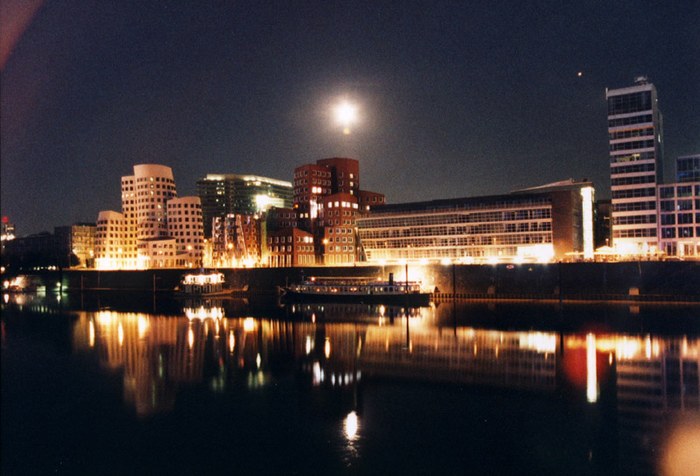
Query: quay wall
{"points": [[634, 281]]}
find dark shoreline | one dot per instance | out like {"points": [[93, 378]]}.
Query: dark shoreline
{"points": [[627, 282]]}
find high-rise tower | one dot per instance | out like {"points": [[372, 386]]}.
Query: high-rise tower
{"points": [[224, 194], [636, 165]]}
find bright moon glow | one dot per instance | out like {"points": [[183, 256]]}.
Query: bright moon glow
{"points": [[346, 115]]}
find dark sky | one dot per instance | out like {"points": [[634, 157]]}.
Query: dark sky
{"points": [[455, 98]]}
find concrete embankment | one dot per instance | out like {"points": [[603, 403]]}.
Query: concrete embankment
{"points": [[627, 281]]}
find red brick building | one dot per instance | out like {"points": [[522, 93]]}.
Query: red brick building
{"points": [[290, 247]]}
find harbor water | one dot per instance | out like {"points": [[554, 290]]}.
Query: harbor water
{"points": [[143, 384]]}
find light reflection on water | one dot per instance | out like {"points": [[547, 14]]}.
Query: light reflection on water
{"points": [[649, 380]]}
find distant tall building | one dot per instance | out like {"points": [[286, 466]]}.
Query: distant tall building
{"points": [[225, 194], [636, 165]]}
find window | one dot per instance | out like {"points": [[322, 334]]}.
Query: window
{"points": [[667, 206], [685, 191], [666, 192], [684, 204]]}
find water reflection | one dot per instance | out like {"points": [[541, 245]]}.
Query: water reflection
{"points": [[649, 380]]}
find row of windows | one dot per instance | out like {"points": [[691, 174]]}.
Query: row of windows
{"points": [[635, 233], [318, 173], [337, 213], [683, 218], [288, 249], [678, 205], [344, 239], [683, 232], [342, 204], [624, 158], [680, 191], [634, 193], [283, 239], [445, 219], [626, 121], [633, 180], [146, 193], [339, 249], [627, 103], [432, 242], [631, 169], [646, 131], [156, 179], [633, 206], [634, 219], [336, 222], [339, 231], [370, 198], [377, 233], [637, 144], [314, 181]]}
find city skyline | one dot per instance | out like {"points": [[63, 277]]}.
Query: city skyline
{"points": [[487, 100]]}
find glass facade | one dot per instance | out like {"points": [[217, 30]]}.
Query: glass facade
{"points": [[224, 194]]}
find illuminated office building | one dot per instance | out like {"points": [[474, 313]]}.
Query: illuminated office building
{"points": [[636, 166], [534, 225], [225, 194]]}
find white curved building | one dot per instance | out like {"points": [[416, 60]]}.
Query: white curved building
{"points": [[109, 241], [140, 236], [153, 186]]}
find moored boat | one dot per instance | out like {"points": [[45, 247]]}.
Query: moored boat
{"points": [[357, 289], [205, 283]]}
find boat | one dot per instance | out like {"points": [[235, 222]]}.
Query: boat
{"points": [[357, 289], [23, 284], [205, 283]]}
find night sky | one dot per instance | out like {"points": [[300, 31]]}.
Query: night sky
{"points": [[454, 98]]}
